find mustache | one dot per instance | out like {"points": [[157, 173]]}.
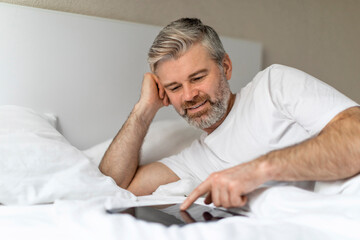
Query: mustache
{"points": [[195, 101]]}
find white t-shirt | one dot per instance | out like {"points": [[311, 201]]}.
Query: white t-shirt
{"points": [[282, 106]]}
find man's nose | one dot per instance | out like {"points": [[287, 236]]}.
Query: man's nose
{"points": [[189, 93]]}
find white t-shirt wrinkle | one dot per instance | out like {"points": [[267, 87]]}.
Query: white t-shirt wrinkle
{"points": [[280, 107]]}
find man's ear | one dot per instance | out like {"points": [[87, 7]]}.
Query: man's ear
{"points": [[227, 65]]}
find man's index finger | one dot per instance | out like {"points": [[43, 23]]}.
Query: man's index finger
{"points": [[203, 188]]}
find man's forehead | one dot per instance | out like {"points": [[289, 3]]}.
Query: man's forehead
{"points": [[194, 61]]}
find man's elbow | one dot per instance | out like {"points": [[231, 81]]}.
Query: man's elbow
{"points": [[138, 191]]}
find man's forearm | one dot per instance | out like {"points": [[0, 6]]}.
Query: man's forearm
{"points": [[333, 154], [122, 157]]}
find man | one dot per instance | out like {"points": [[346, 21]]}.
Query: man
{"points": [[283, 126]]}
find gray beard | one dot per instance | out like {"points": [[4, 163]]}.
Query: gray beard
{"points": [[218, 107]]}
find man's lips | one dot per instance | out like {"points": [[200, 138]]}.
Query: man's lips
{"points": [[196, 106]]}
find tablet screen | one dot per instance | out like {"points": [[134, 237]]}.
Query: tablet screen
{"points": [[171, 214]]}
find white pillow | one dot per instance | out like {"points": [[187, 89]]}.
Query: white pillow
{"points": [[38, 165], [16, 118], [164, 138]]}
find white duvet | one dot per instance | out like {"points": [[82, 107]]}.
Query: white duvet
{"points": [[278, 213], [50, 190]]}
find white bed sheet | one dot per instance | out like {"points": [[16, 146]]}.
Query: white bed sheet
{"points": [[278, 213]]}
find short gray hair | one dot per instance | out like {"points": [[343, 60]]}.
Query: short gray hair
{"points": [[177, 37]]}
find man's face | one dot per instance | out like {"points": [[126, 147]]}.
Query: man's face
{"points": [[196, 86]]}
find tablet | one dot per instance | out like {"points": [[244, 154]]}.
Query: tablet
{"points": [[171, 214]]}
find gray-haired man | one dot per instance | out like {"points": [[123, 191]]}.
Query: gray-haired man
{"points": [[283, 126]]}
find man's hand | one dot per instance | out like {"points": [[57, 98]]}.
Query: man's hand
{"points": [[152, 93], [227, 188]]}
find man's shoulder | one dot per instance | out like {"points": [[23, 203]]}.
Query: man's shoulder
{"points": [[275, 69], [277, 74], [273, 83]]}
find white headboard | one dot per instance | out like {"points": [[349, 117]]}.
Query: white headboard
{"points": [[87, 70]]}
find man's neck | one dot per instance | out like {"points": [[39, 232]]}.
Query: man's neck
{"points": [[218, 123]]}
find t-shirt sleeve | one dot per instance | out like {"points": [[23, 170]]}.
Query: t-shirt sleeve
{"points": [[181, 163], [300, 96], [176, 165]]}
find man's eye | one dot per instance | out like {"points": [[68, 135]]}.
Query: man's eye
{"points": [[197, 78], [174, 88]]}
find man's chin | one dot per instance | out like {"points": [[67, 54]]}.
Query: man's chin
{"points": [[200, 122], [199, 119]]}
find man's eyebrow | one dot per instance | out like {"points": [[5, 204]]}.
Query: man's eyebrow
{"points": [[170, 84], [198, 72]]}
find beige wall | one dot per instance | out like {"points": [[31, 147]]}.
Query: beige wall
{"points": [[320, 37]]}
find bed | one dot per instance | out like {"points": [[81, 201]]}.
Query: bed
{"points": [[67, 83]]}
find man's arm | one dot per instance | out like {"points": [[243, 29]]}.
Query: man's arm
{"points": [[121, 160], [333, 154]]}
